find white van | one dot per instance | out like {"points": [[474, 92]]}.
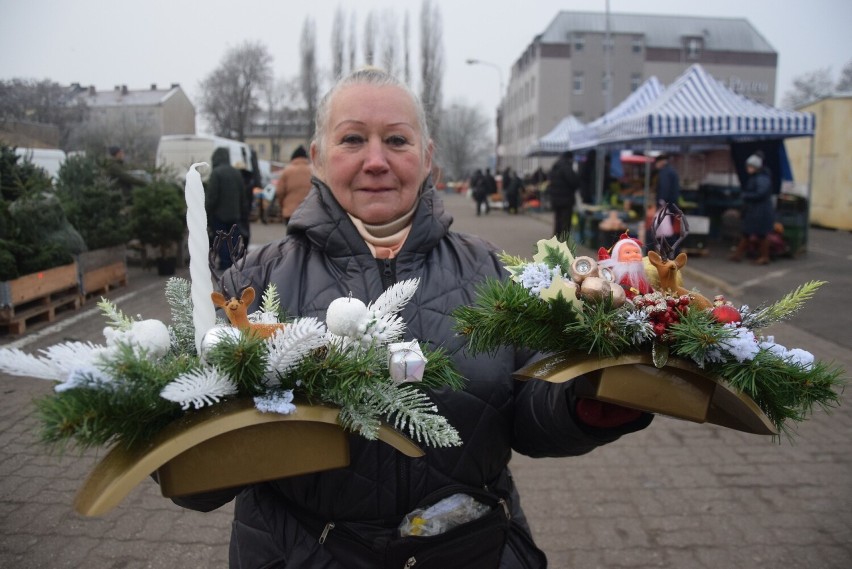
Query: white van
{"points": [[49, 159], [177, 152]]}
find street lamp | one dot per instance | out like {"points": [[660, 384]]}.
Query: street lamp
{"points": [[499, 101], [489, 64]]}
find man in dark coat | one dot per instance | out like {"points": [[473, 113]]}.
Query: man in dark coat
{"points": [[562, 188], [224, 202]]}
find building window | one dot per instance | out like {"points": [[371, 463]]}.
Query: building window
{"points": [[636, 45], [635, 81], [605, 78], [693, 48], [578, 82], [579, 43], [608, 43]]}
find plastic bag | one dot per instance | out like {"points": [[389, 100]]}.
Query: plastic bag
{"points": [[442, 516]]}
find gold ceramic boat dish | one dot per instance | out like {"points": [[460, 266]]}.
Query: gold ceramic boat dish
{"points": [[227, 445], [680, 389]]}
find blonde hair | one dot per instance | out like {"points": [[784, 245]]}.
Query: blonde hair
{"points": [[365, 76]]}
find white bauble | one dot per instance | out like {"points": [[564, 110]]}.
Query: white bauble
{"points": [[215, 335], [345, 315]]}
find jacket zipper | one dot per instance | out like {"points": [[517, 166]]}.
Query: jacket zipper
{"points": [[328, 527]]}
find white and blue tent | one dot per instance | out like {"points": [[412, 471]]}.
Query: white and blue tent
{"points": [[644, 95], [557, 140], [697, 108]]}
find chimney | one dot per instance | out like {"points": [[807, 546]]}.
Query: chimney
{"points": [[92, 90], [175, 85], [153, 86], [124, 89], [117, 87]]}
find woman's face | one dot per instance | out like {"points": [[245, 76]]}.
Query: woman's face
{"points": [[373, 157]]}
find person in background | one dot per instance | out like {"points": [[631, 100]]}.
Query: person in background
{"points": [[479, 191], [294, 183], [758, 215], [490, 187], [513, 187], [224, 201], [249, 185], [372, 219], [667, 192], [117, 171], [562, 189]]}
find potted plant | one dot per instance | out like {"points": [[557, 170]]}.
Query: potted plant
{"points": [[158, 219]]}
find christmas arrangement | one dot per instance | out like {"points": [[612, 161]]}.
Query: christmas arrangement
{"points": [[621, 304], [147, 373]]}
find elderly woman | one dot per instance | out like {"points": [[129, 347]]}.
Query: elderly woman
{"points": [[758, 213], [370, 220]]}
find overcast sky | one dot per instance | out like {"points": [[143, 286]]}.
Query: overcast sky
{"points": [[138, 43]]}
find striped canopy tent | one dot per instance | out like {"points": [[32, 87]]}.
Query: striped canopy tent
{"points": [[639, 99], [698, 108], [557, 140]]}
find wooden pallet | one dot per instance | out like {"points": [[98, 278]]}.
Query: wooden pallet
{"points": [[43, 309], [38, 296]]}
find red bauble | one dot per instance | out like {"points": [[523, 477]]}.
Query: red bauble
{"points": [[726, 314]]}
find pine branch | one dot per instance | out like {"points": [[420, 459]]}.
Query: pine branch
{"points": [[115, 317], [784, 308], [179, 298], [411, 410], [243, 359]]}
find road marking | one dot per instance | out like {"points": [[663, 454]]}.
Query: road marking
{"points": [[767, 276], [68, 322]]}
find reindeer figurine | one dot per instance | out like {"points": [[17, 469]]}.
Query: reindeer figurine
{"points": [[667, 264], [236, 309]]}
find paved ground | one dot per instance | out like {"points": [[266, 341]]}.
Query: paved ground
{"points": [[678, 495]]}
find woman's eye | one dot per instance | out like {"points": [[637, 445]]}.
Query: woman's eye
{"points": [[352, 139], [397, 140]]}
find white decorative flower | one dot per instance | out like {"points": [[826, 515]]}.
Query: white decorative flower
{"points": [[149, 335], [536, 277]]}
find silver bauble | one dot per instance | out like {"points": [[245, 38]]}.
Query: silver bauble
{"points": [[583, 267], [215, 335]]}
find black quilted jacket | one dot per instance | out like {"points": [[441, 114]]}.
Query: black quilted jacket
{"points": [[323, 258]]}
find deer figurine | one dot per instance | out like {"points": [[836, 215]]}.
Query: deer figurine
{"points": [[667, 264], [236, 309], [668, 270]]}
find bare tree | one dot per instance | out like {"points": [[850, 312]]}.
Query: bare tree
{"points": [[389, 40], [308, 73], [844, 82], [337, 43], [406, 58], [431, 63], [281, 96], [44, 102], [353, 39], [465, 140], [370, 38], [230, 94], [809, 87]]}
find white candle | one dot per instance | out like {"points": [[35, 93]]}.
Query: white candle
{"points": [[203, 311]]}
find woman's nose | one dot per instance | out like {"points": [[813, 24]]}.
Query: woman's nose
{"points": [[375, 161]]}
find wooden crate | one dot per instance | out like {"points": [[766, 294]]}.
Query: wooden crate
{"points": [[38, 297], [102, 270]]}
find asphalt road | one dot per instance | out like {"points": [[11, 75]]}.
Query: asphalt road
{"points": [[677, 495]]}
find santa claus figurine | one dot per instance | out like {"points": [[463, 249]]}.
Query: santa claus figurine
{"points": [[625, 261]]}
